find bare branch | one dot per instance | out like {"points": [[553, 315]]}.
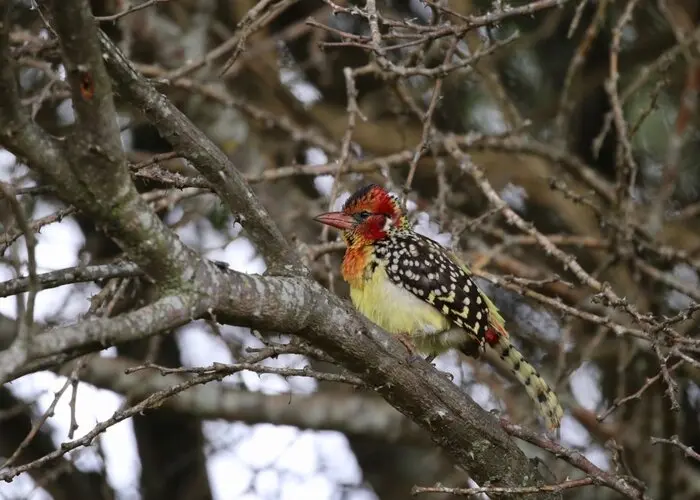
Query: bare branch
{"points": [[22, 342], [11, 236], [193, 144], [129, 10], [494, 490], [302, 307], [611, 480], [674, 441], [95, 178], [93, 334], [322, 411], [70, 275]]}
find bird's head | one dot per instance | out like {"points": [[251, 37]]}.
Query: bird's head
{"points": [[370, 214]]}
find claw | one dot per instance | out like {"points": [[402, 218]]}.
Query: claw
{"points": [[406, 340], [414, 358]]}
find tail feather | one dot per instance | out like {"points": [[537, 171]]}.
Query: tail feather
{"points": [[536, 387]]}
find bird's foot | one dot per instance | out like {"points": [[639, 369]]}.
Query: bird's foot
{"points": [[406, 340]]}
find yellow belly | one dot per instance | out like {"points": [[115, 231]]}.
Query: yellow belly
{"points": [[399, 311]]}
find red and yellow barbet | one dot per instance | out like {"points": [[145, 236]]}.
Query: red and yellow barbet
{"points": [[413, 287]]}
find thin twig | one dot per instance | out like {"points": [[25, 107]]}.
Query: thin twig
{"points": [[496, 490], [23, 340], [130, 9], [687, 450], [617, 483]]}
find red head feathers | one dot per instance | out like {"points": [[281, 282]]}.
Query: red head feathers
{"points": [[370, 214]]}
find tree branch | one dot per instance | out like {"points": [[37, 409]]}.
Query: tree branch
{"points": [[94, 151], [192, 144], [89, 168], [18, 133], [78, 274], [90, 335], [298, 306], [352, 414]]}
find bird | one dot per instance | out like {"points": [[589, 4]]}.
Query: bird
{"points": [[421, 292]]}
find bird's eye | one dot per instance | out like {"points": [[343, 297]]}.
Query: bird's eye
{"points": [[362, 216]]}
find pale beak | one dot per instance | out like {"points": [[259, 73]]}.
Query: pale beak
{"points": [[338, 220]]}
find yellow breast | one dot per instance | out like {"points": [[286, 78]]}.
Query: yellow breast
{"points": [[394, 309]]}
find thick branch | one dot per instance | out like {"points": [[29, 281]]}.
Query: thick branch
{"points": [[192, 144], [295, 305], [298, 306], [18, 133], [95, 152], [79, 274], [469, 434], [89, 168], [92, 334], [96, 137]]}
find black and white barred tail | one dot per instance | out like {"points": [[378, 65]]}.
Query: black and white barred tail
{"points": [[504, 353]]}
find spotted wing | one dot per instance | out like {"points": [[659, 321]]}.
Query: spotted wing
{"points": [[429, 271]]}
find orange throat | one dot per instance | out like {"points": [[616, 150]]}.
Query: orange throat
{"points": [[354, 263]]}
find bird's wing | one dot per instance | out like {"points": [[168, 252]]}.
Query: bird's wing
{"points": [[496, 320], [435, 275]]}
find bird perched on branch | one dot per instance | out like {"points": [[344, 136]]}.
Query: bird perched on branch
{"points": [[418, 290]]}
